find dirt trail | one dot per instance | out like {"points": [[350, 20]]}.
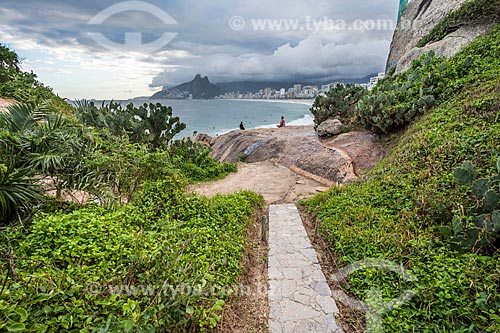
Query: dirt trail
{"points": [[275, 183]]}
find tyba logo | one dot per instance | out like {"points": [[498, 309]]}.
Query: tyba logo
{"points": [[133, 40]]}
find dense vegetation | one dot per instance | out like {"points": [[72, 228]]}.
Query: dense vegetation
{"points": [[22, 86], [413, 208], [338, 103], [163, 262]]}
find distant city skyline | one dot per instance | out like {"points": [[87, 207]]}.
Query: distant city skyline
{"points": [[299, 91], [74, 46]]}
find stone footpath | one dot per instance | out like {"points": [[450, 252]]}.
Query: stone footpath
{"points": [[300, 299]]}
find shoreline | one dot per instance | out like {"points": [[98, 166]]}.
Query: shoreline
{"points": [[294, 123], [308, 102]]}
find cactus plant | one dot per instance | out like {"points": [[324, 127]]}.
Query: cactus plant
{"points": [[465, 173], [480, 187], [338, 103], [490, 200], [396, 101], [485, 216]]}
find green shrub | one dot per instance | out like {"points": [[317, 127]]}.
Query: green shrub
{"points": [[338, 103], [24, 87], [18, 193], [37, 141], [194, 162], [480, 228]]}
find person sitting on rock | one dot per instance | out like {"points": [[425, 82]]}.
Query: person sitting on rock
{"points": [[282, 122], [242, 126]]}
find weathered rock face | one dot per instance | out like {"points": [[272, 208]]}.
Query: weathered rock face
{"points": [[417, 21], [203, 139], [364, 149], [329, 127], [297, 148]]}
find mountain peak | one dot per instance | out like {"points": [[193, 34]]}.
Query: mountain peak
{"points": [[199, 88]]}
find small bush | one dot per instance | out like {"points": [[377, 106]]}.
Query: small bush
{"points": [[338, 103], [194, 162]]}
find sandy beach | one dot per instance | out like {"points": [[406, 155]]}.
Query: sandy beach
{"points": [[308, 102]]}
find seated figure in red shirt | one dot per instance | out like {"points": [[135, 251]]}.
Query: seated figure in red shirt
{"points": [[282, 122]]}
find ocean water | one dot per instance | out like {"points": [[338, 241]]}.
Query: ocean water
{"points": [[221, 116]]}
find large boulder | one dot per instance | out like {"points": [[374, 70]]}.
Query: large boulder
{"points": [[296, 148], [329, 127]]}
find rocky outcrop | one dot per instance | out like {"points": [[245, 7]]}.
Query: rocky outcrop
{"points": [[363, 148], [204, 139], [275, 183], [417, 21], [300, 150], [329, 127]]}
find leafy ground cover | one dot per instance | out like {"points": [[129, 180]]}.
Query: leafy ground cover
{"points": [[162, 264]]}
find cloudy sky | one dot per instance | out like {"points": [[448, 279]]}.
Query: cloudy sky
{"points": [[120, 49]]}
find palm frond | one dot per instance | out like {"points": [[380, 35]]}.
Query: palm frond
{"points": [[21, 117], [17, 190]]}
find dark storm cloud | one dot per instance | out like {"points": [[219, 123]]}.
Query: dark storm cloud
{"points": [[210, 46]]}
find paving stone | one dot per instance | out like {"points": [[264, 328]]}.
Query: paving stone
{"points": [[322, 288], [300, 299], [308, 326], [293, 311], [331, 323], [288, 287], [275, 273], [294, 273], [327, 304], [289, 326], [275, 327], [275, 311], [306, 290]]}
